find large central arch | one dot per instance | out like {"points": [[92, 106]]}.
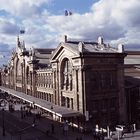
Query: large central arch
{"points": [[66, 74]]}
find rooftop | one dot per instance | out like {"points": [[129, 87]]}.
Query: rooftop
{"points": [[57, 110], [89, 46]]}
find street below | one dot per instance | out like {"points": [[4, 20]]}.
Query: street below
{"points": [[15, 128]]}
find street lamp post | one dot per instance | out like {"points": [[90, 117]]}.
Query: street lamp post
{"points": [[34, 117], [21, 109], [3, 125], [3, 105], [34, 120]]}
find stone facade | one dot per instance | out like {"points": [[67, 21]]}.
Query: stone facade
{"points": [[87, 77], [132, 86]]}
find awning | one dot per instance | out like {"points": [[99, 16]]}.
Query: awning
{"points": [[57, 110]]}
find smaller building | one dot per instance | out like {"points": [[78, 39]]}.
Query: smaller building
{"points": [[132, 86]]}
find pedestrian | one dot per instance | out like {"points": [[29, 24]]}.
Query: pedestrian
{"points": [[65, 128], [52, 128], [133, 128], [34, 119], [111, 134]]}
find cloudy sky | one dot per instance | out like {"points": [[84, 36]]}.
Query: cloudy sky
{"points": [[45, 23]]}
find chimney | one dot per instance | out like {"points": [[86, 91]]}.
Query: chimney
{"points": [[100, 40], [65, 38]]}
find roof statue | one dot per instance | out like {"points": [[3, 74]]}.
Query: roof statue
{"points": [[32, 53], [91, 46], [68, 13], [120, 48], [65, 38], [100, 40], [81, 46], [20, 45]]}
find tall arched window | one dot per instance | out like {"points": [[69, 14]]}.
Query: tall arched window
{"points": [[66, 75], [27, 75], [18, 72]]}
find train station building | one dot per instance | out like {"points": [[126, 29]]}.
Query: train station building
{"points": [[80, 81]]}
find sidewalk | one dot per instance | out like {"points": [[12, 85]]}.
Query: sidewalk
{"points": [[6, 137], [127, 136], [44, 125]]}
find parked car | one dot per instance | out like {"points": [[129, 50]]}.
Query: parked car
{"points": [[123, 128]]}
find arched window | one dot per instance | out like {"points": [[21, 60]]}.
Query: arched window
{"points": [[18, 72], [66, 75], [27, 75]]}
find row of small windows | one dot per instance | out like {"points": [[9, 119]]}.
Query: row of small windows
{"points": [[44, 96], [44, 80], [67, 102], [41, 95]]}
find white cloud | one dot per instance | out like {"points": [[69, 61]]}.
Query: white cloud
{"points": [[8, 27], [23, 8], [117, 21], [127, 12]]}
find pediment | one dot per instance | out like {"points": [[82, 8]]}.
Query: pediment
{"points": [[63, 50]]}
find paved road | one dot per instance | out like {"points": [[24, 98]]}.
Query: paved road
{"points": [[20, 130]]}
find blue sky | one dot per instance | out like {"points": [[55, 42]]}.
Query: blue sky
{"points": [[45, 23], [79, 6]]}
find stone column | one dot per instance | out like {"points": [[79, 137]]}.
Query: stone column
{"points": [[121, 94], [82, 100], [70, 103], [66, 102], [75, 82]]}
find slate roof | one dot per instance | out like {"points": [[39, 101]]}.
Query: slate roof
{"points": [[91, 47], [57, 110], [43, 55]]}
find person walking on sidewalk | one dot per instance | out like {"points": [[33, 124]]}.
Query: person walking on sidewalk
{"points": [[52, 128], [133, 128], [65, 128]]}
